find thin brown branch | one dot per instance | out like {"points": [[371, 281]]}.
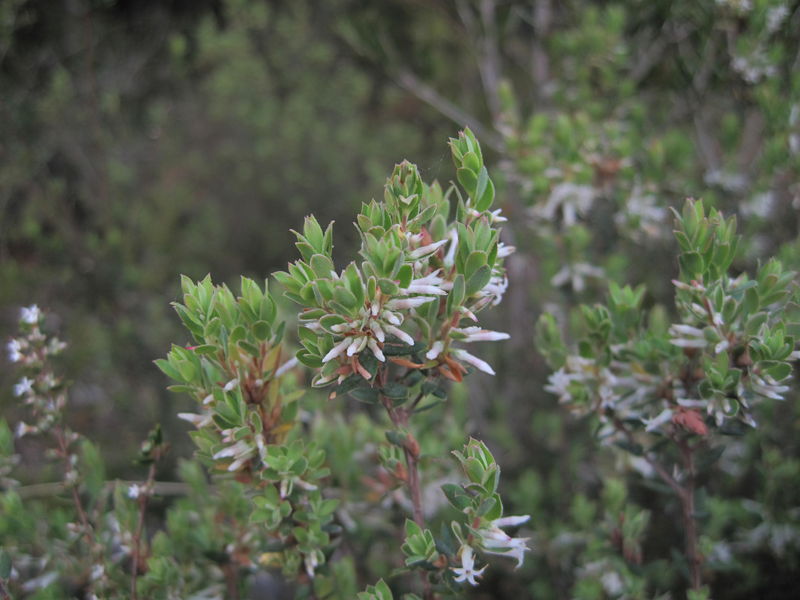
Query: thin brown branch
{"points": [[399, 419], [413, 84], [45, 490], [137, 536], [63, 450], [657, 467], [4, 595], [689, 522], [685, 494]]}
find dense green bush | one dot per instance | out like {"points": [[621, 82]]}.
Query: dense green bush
{"points": [[241, 117]]}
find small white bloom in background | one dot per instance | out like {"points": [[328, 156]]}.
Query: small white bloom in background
{"points": [[24, 429], [14, 348], [311, 562], [25, 386], [30, 314], [98, 571], [686, 336], [467, 572], [612, 583], [231, 385], [134, 491], [558, 383], [573, 200], [576, 274]]}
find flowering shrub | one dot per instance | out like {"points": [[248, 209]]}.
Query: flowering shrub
{"points": [[665, 393], [388, 331]]}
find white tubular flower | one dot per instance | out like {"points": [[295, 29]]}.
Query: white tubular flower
{"points": [[498, 542], [337, 350], [230, 385], [241, 450], [767, 386], [377, 331], [311, 562], [665, 416], [503, 251], [467, 572], [511, 521], [399, 333], [356, 345], [134, 491], [496, 217], [30, 314], [476, 362], [494, 290], [195, 419], [25, 386], [426, 250], [392, 317], [403, 303], [436, 350], [450, 258], [430, 284], [373, 345], [287, 366], [476, 334]]}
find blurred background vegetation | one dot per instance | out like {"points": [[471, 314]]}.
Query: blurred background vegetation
{"points": [[142, 139]]}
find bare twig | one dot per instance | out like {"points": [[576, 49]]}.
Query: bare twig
{"points": [[685, 494], [411, 83], [688, 509], [137, 536], [63, 450], [399, 419], [44, 490]]}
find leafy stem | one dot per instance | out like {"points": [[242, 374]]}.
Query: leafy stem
{"points": [[685, 491]]}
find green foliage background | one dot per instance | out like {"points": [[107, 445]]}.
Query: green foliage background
{"points": [[141, 140]]}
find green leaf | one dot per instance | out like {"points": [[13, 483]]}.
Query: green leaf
{"points": [[467, 179], [5, 564], [478, 281]]}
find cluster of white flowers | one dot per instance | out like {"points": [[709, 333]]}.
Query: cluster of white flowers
{"points": [[642, 218], [490, 540], [575, 274], [385, 314], [571, 199]]}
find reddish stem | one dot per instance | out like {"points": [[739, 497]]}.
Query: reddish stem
{"points": [[137, 536]]}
